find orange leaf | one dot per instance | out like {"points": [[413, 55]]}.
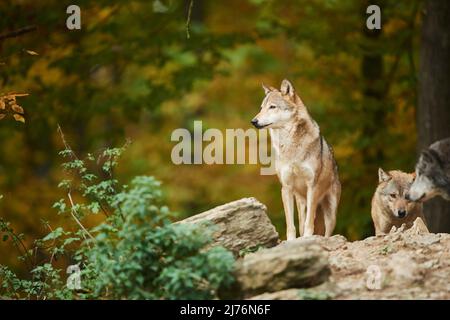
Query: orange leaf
{"points": [[19, 118], [2, 115], [17, 108]]}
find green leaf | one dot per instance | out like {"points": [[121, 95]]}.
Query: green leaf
{"points": [[55, 234]]}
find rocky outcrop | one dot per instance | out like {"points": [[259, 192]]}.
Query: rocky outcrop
{"points": [[289, 265], [324, 291], [240, 226], [404, 264]]}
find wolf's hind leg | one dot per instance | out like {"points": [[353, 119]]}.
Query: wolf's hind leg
{"points": [[288, 203], [332, 201], [301, 210]]}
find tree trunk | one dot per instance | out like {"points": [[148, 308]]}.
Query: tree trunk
{"points": [[373, 103], [433, 116]]}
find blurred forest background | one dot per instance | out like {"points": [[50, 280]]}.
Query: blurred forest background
{"points": [[140, 69]]}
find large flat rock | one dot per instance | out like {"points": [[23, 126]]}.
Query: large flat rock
{"points": [[239, 225]]}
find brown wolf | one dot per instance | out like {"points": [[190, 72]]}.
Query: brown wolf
{"points": [[389, 204], [304, 162]]}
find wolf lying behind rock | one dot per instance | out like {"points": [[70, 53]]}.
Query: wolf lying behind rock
{"points": [[390, 207]]}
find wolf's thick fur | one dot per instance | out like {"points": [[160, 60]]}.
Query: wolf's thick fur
{"points": [[433, 173], [389, 204], [304, 162]]}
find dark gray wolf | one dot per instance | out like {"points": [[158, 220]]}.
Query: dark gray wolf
{"points": [[432, 173]]}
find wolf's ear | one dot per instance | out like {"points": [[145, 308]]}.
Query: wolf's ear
{"points": [[266, 89], [383, 176], [426, 156], [287, 88], [432, 157]]}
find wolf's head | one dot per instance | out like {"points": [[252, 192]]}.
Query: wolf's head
{"points": [[431, 179], [392, 188], [278, 107]]}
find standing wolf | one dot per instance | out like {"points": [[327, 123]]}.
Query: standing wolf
{"points": [[389, 204], [433, 173], [304, 162]]}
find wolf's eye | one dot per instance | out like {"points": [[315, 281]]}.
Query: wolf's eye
{"points": [[272, 107]]}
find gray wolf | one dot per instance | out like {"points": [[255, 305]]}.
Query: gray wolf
{"points": [[390, 207], [304, 162], [432, 173]]}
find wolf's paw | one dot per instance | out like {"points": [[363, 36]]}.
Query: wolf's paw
{"points": [[308, 233], [291, 234]]}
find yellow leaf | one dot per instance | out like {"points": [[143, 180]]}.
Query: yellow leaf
{"points": [[32, 53], [17, 108], [2, 115], [2, 105], [19, 118]]}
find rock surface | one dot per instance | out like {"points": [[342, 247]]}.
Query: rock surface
{"points": [[289, 265], [405, 264], [321, 292], [240, 225]]}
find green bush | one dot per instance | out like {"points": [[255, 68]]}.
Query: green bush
{"points": [[135, 253]]}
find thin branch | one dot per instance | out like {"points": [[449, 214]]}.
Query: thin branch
{"points": [[17, 32], [50, 262], [73, 211], [74, 157], [188, 21], [66, 145], [103, 209], [112, 178], [18, 244]]}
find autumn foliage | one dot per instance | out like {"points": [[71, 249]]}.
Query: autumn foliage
{"points": [[132, 72]]}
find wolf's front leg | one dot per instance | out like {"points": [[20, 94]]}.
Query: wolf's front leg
{"points": [[288, 203], [301, 210], [311, 206]]}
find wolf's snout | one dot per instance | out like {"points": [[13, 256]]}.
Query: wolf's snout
{"points": [[401, 213], [415, 198], [255, 122]]}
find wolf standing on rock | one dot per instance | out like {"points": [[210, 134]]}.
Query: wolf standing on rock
{"points": [[304, 162]]}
